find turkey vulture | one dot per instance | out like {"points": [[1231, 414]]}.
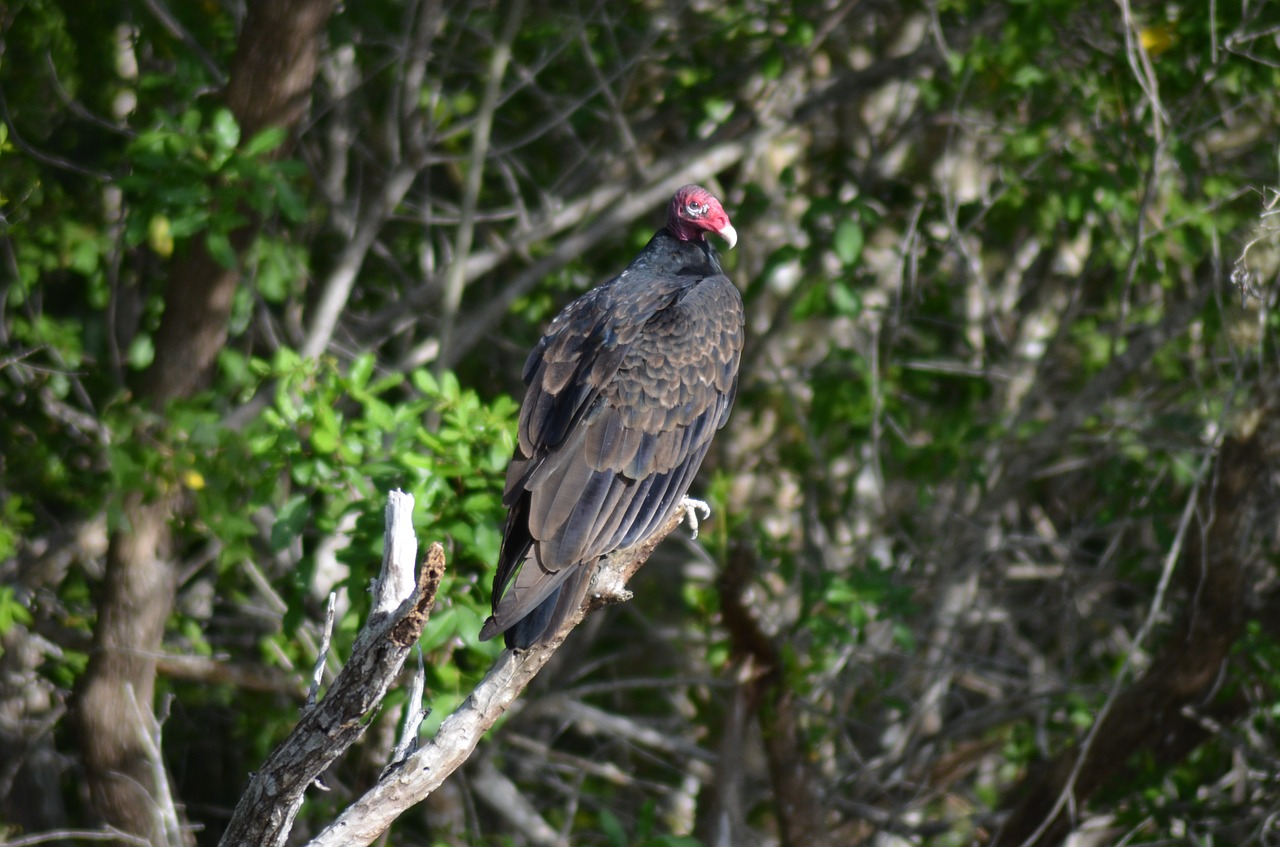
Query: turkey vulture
{"points": [[624, 393]]}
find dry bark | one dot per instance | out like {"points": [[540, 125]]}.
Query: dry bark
{"points": [[137, 596], [265, 813], [409, 782]]}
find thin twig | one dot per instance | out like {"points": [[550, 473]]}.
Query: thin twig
{"points": [[502, 795], [175, 28], [108, 833], [619, 208], [149, 737], [326, 638], [336, 290], [414, 714], [39, 155]]}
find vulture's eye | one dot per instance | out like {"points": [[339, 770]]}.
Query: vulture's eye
{"points": [[696, 209]]}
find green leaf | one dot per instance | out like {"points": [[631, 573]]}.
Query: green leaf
{"points": [[265, 141], [219, 245], [848, 241], [440, 628], [772, 65], [84, 255], [290, 522], [189, 124], [160, 235], [360, 371], [612, 828], [449, 386], [1028, 76], [11, 610], [226, 132], [800, 34], [384, 383], [324, 441], [425, 382], [844, 299], [142, 350], [290, 202]]}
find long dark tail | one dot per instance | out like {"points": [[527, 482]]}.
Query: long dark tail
{"points": [[543, 622]]}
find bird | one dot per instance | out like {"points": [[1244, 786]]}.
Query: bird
{"points": [[623, 394]]}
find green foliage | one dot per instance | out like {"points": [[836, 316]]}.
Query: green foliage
{"points": [[11, 610], [330, 446], [15, 519], [192, 176]]}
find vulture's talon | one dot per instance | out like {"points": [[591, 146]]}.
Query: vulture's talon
{"points": [[691, 508]]}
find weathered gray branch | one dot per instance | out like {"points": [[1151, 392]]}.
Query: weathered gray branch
{"points": [[423, 772], [401, 607], [496, 790]]}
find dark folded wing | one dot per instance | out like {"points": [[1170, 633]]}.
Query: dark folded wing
{"points": [[615, 425]]}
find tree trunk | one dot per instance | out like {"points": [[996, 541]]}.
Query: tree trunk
{"points": [[274, 68], [137, 595], [803, 818]]}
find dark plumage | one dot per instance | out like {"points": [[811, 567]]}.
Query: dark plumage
{"points": [[625, 391]]}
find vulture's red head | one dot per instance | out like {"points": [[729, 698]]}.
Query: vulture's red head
{"points": [[693, 211]]}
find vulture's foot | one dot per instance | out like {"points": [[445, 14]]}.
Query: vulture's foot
{"points": [[691, 508]]}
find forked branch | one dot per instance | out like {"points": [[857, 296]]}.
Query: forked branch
{"points": [[402, 605], [265, 814], [424, 771]]}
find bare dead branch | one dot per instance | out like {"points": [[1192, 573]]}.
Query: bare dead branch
{"points": [[208, 670], [414, 714], [265, 813], [326, 639], [336, 289], [165, 811], [111, 834], [617, 115], [617, 210], [423, 772], [1023, 462]]}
